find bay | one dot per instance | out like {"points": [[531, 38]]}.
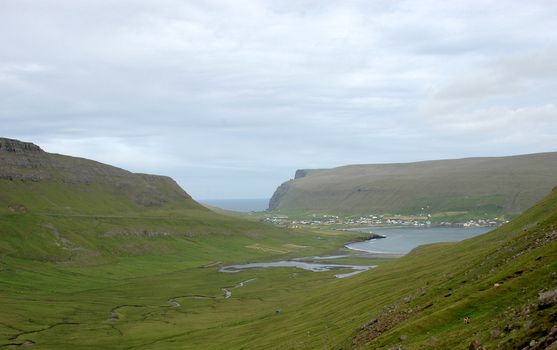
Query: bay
{"points": [[401, 240]]}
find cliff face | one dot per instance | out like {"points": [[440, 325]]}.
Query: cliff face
{"points": [[300, 173], [16, 146], [491, 186], [22, 161], [280, 192], [26, 162], [286, 188]]}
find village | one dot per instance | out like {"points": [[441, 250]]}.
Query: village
{"points": [[335, 221]]}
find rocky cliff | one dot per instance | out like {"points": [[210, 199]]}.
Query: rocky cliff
{"points": [[16, 146]]}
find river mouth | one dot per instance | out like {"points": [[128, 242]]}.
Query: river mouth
{"points": [[309, 266]]}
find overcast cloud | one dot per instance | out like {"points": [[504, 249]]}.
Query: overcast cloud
{"points": [[231, 97]]}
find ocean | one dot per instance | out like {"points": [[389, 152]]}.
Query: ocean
{"points": [[242, 204]]}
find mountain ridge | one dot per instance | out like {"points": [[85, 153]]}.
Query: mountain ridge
{"points": [[25, 161], [495, 185], [61, 208]]}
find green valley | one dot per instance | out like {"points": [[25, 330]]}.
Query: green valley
{"points": [[95, 257], [278, 175]]}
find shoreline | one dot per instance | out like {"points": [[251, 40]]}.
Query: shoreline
{"points": [[374, 254], [387, 253], [371, 236], [364, 227]]}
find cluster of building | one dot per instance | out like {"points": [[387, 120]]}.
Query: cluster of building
{"points": [[476, 223], [375, 220]]}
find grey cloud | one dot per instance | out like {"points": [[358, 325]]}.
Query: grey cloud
{"points": [[216, 93], [508, 75]]}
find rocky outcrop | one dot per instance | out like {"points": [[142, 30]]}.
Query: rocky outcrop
{"points": [[16, 146], [547, 299], [276, 199], [300, 173], [22, 161], [548, 342]]}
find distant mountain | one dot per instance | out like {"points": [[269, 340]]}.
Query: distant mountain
{"points": [[458, 187]]}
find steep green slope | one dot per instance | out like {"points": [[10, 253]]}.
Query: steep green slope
{"points": [[92, 257], [55, 207], [129, 274], [496, 281], [477, 186], [504, 282], [41, 182]]}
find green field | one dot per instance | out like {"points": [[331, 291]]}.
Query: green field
{"points": [[75, 298], [68, 304]]}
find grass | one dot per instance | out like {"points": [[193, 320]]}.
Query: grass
{"points": [[285, 308], [86, 266], [35, 296]]}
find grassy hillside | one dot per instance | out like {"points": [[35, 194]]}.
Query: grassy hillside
{"points": [[56, 207], [504, 282], [496, 280], [118, 272], [417, 302], [475, 186], [41, 182], [91, 256]]}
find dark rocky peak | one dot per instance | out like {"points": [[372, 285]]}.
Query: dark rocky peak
{"points": [[300, 173], [16, 146]]}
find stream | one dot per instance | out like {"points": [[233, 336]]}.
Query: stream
{"points": [[315, 267], [227, 290]]}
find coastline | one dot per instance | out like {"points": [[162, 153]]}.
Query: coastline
{"points": [[374, 254], [370, 237]]}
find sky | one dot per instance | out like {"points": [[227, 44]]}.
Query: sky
{"points": [[231, 97]]}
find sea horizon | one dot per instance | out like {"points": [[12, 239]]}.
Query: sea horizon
{"points": [[238, 204]]}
